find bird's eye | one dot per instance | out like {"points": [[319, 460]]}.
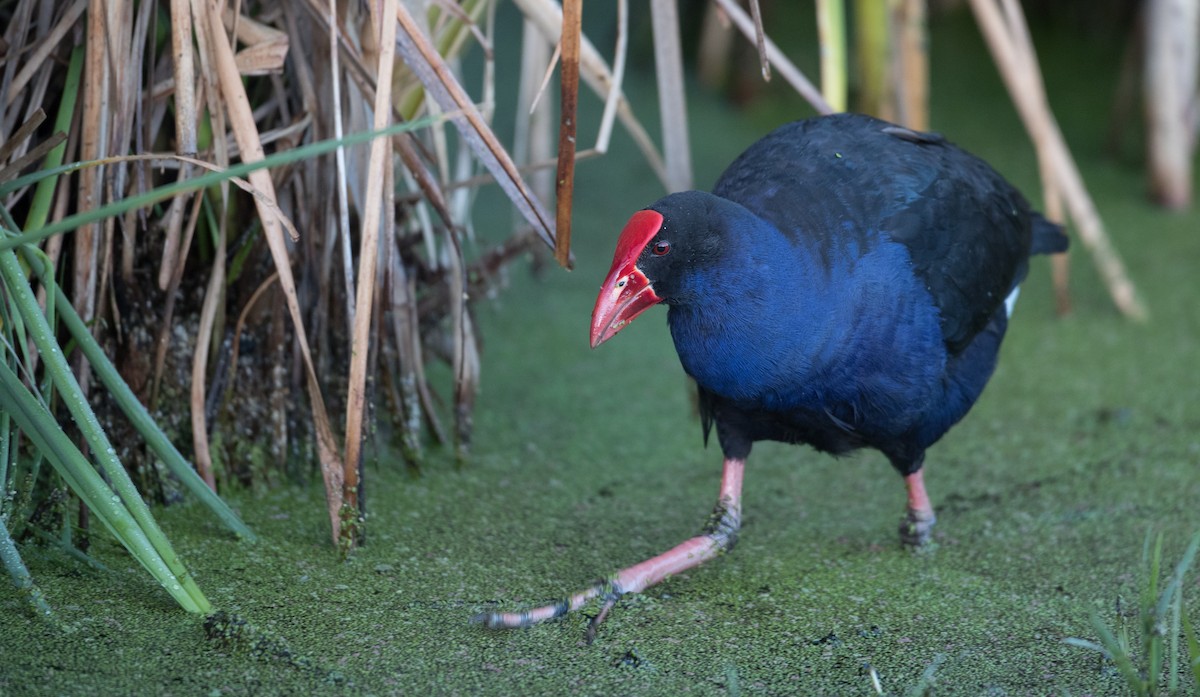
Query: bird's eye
{"points": [[661, 248]]}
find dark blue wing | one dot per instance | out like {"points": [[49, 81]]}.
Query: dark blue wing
{"points": [[851, 181]]}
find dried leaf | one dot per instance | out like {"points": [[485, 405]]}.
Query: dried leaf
{"points": [[8, 147], [262, 59]]}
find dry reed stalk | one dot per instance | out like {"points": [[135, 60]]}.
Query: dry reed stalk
{"points": [[532, 144], [240, 324], [533, 133], [340, 183], [546, 15], [1003, 26], [788, 70], [183, 63], [124, 49], [715, 47], [1052, 209], [266, 48], [93, 146], [15, 143], [912, 62], [12, 168], [45, 46], [207, 39], [383, 23], [831, 33], [672, 103], [760, 40], [564, 189], [1168, 99], [613, 101], [183, 66], [214, 297], [448, 95], [15, 37], [406, 338], [444, 88], [128, 133], [877, 55]]}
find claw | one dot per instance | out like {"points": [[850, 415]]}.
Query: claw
{"points": [[610, 601]]}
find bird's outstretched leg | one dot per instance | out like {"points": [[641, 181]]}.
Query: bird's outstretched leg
{"points": [[719, 534], [917, 525]]}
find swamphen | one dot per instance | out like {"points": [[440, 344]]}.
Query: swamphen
{"points": [[846, 285]]}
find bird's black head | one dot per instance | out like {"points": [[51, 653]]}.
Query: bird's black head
{"points": [[655, 251]]}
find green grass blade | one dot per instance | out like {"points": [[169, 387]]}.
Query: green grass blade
{"points": [[732, 686], [1172, 600], [1153, 565], [1181, 569], [1120, 655], [72, 396], [14, 326], [925, 685], [133, 408], [5, 433], [5, 452], [39, 207], [1089, 645], [1173, 636], [37, 423], [1193, 646]]}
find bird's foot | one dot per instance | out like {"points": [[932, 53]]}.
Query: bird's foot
{"points": [[634, 579], [916, 528], [719, 535]]}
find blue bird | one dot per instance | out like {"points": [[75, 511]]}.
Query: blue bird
{"points": [[846, 284]]}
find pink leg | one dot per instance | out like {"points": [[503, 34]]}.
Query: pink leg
{"points": [[917, 525], [719, 535]]}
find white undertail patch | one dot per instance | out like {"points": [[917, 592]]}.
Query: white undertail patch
{"points": [[1011, 301]]}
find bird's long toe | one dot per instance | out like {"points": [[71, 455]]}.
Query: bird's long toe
{"points": [[513, 620]]}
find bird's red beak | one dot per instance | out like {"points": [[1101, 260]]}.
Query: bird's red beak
{"points": [[626, 292]]}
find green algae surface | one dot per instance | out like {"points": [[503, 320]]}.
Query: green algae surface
{"points": [[585, 461]]}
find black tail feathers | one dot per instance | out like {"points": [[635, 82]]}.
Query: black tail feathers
{"points": [[1048, 237]]}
